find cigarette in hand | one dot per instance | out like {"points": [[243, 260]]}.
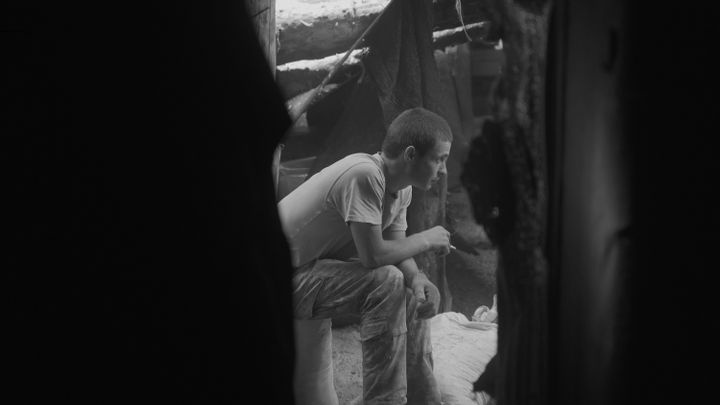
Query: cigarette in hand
{"points": [[439, 251]]}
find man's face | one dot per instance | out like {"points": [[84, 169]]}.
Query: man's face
{"points": [[426, 170]]}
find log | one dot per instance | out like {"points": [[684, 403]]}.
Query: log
{"points": [[458, 35], [293, 12], [299, 76], [311, 29]]}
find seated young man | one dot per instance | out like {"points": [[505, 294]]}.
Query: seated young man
{"points": [[346, 229]]}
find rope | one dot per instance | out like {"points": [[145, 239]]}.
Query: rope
{"points": [[458, 8]]}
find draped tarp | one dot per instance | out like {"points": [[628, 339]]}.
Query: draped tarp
{"points": [[399, 73]]}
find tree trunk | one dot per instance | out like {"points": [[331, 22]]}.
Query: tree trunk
{"points": [[427, 211], [441, 280], [522, 277]]}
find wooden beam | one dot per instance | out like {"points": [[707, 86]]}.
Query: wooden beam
{"points": [[297, 77], [458, 35], [310, 29], [263, 16], [302, 75]]}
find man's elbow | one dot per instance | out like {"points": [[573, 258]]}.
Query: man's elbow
{"points": [[370, 261]]}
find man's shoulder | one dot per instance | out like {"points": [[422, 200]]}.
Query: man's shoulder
{"points": [[357, 173], [358, 164], [359, 158]]}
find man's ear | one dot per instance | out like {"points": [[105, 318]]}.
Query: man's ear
{"points": [[410, 153]]}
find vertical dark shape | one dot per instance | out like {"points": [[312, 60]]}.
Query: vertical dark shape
{"points": [[146, 262], [262, 14], [670, 94], [590, 242], [519, 125], [632, 206]]}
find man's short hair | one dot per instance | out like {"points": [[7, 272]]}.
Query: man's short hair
{"points": [[418, 127]]}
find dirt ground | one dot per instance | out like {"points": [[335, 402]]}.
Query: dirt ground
{"points": [[471, 277]]}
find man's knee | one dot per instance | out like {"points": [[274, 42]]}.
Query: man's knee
{"points": [[384, 308], [389, 277]]}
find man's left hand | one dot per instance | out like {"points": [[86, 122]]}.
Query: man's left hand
{"points": [[427, 296]]}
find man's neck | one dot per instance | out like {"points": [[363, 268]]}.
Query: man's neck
{"points": [[394, 175]]}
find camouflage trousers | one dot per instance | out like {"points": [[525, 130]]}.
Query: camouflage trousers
{"points": [[396, 347]]}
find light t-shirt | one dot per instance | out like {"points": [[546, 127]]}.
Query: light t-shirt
{"points": [[315, 215]]}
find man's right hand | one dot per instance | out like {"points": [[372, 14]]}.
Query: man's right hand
{"points": [[438, 239]]}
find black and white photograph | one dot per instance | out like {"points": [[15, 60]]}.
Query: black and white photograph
{"points": [[348, 202]]}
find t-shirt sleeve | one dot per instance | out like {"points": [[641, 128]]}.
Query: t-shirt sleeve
{"points": [[399, 223], [357, 194]]}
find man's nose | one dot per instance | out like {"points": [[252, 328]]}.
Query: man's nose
{"points": [[443, 169]]}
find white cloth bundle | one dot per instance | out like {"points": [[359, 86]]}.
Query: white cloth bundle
{"points": [[461, 350]]}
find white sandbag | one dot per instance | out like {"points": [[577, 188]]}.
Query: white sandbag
{"points": [[461, 350], [313, 377]]}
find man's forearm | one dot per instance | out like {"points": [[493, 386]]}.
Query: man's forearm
{"points": [[395, 251], [410, 270]]}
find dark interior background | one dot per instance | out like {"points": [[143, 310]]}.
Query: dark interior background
{"points": [[145, 262], [632, 101]]}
